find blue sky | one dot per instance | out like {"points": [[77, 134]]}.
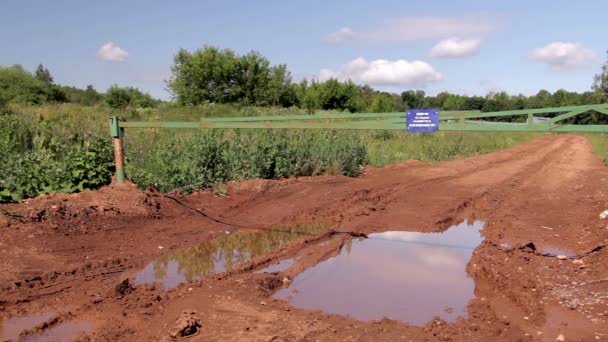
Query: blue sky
{"points": [[468, 47]]}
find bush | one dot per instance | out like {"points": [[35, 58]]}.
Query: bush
{"points": [[37, 161], [18, 85], [212, 157], [128, 97]]}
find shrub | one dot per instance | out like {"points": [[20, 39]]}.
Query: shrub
{"points": [[211, 157], [36, 161]]}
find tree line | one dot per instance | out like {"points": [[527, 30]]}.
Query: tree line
{"points": [[214, 75], [18, 85]]}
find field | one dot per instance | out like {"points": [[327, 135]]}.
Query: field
{"points": [[67, 148], [260, 216]]}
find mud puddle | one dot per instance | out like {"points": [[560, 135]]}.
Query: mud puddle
{"points": [[544, 250], [549, 250], [279, 266], [11, 329], [407, 276], [62, 332], [219, 255]]}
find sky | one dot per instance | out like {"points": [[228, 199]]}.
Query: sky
{"points": [[467, 47]]}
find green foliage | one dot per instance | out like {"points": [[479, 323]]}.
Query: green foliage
{"points": [[46, 149], [600, 145], [600, 80], [57, 94], [18, 85], [43, 74], [38, 160], [413, 99], [128, 97], [86, 97], [222, 76], [211, 157], [384, 149], [382, 103]]}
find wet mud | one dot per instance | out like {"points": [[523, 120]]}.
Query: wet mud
{"points": [[120, 264]]}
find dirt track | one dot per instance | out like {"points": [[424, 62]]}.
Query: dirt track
{"points": [[67, 253]]}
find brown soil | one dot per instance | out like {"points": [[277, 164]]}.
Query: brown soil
{"points": [[71, 254]]}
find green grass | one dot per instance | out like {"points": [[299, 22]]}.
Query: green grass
{"points": [[38, 158], [600, 145], [66, 148], [385, 148], [206, 158]]}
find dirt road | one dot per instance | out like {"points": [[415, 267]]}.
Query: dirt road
{"points": [[68, 254]]}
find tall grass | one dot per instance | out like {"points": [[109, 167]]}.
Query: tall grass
{"points": [[206, 158], [386, 147], [600, 145], [66, 148], [40, 159]]}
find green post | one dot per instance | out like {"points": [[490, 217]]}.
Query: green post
{"points": [[118, 133], [530, 118]]}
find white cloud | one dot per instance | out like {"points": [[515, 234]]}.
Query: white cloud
{"points": [[384, 72], [455, 48], [419, 28], [564, 55], [342, 35], [112, 53]]}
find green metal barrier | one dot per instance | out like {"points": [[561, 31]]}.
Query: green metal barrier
{"points": [[450, 121]]}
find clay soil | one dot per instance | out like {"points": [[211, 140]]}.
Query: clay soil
{"points": [[71, 254]]}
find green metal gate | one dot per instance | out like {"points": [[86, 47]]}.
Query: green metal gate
{"points": [[449, 121]]}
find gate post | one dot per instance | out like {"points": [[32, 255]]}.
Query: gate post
{"points": [[119, 156]]}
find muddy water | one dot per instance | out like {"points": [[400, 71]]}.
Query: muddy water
{"points": [[12, 327], [279, 266], [219, 255], [62, 332], [554, 251], [406, 276]]}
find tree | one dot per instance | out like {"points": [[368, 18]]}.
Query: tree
{"points": [[382, 103], [542, 99], [18, 85], [311, 99], [366, 96], [43, 74], [333, 94], [57, 94], [253, 79], [413, 99], [205, 75], [474, 103], [453, 102], [600, 80], [125, 97], [90, 96], [563, 97], [281, 91]]}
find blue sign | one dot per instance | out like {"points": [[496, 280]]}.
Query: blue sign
{"points": [[422, 120]]}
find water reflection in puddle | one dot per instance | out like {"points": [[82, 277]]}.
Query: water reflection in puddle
{"points": [[408, 276], [62, 332], [546, 250], [219, 255], [554, 251], [279, 266], [12, 327]]}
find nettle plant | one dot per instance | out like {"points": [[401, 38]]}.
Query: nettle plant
{"points": [[38, 161]]}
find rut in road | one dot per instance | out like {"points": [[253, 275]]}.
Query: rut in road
{"points": [[418, 196]]}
